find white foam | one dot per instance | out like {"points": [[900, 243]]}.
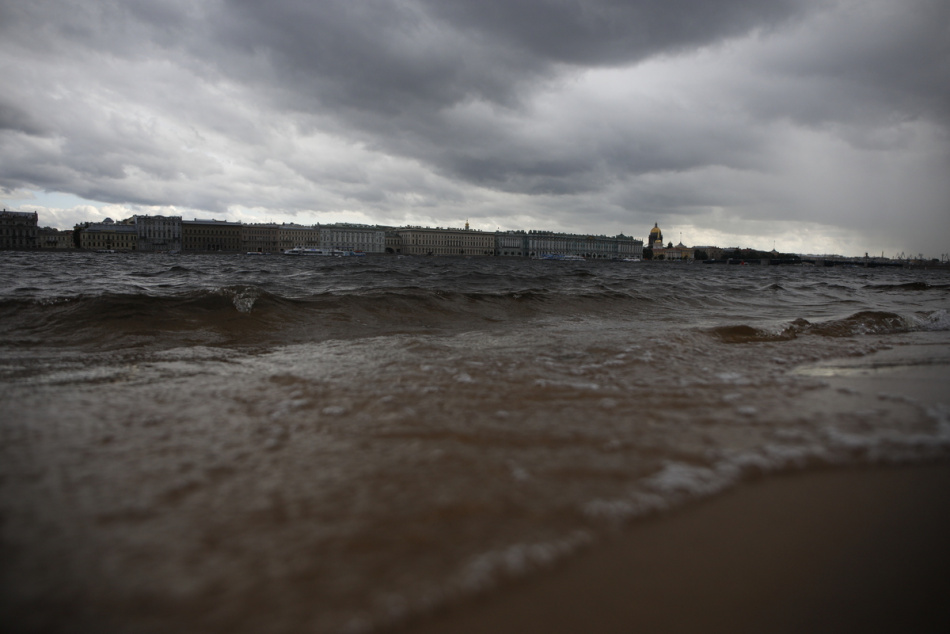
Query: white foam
{"points": [[939, 320], [194, 353], [485, 570], [638, 504], [732, 377], [677, 478]]}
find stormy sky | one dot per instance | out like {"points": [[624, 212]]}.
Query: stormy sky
{"points": [[816, 126]]}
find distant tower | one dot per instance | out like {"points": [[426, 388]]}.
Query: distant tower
{"points": [[466, 224], [656, 237]]}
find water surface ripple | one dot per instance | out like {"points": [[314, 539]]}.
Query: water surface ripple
{"points": [[245, 444]]}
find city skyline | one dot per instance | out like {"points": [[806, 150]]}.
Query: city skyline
{"points": [[646, 246], [813, 127]]}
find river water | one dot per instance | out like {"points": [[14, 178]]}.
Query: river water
{"points": [[268, 443]]}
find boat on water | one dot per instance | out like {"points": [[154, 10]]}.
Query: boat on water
{"points": [[315, 251], [631, 260], [561, 257]]}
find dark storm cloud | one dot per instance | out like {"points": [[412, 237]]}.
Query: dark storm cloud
{"points": [[388, 74], [16, 118], [602, 107], [609, 32], [389, 57], [392, 71], [873, 64]]}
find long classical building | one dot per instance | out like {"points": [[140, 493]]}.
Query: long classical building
{"points": [[543, 243], [60, 239], [293, 235], [210, 236], [531, 244], [439, 241], [172, 234], [351, 237], [109, 235], [158, 233], [260, 237]]}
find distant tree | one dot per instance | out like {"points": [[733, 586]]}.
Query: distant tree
{"points": [[77, 229], [700, 255], [647, 253]]}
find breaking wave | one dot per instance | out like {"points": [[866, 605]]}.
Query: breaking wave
{"points": [[858, 324]]}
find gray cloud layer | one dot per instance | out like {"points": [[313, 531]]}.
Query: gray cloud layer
{"points": [[600, 114]]}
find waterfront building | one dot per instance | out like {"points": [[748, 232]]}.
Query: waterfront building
{"points": [[439, 241], [393, 240], [674, 253], [542, 243], [350, 237], [260, 237], [210, 236], [109, 235], [49, 238], [18, 229], [680, 252], [511, 243], [628, 248], [158, 233], [294, 235]]}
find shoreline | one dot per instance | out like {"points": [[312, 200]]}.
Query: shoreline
{"points": [[850, 549]]}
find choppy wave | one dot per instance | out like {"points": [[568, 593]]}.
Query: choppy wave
{"points": [[909, 286], [748, 334], [391, 434], [400, 301], [857, 324]]}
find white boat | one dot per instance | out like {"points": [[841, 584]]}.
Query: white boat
{"points": [[631, 260], [314, 251], [561, 257]]}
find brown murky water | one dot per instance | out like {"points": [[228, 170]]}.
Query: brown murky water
{"points": [[224, 445]]}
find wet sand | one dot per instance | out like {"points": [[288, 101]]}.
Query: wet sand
{"points": [[834, 550], [854, 550]]}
